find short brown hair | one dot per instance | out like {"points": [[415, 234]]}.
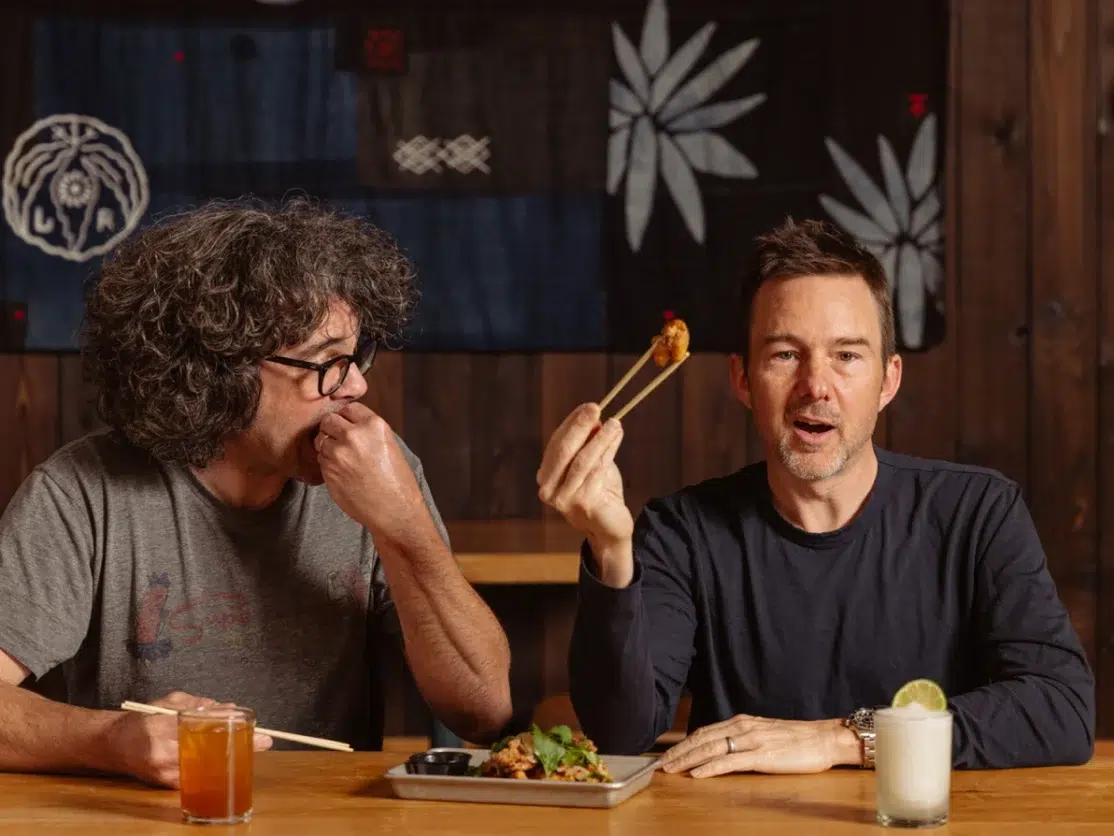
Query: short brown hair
{"points": [[813, 248], [184, 313]]}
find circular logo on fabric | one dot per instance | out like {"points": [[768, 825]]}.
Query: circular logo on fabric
{"points": [[73, 186]]}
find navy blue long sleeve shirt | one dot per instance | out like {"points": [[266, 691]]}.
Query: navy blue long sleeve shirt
{"points": [[941, 575]]}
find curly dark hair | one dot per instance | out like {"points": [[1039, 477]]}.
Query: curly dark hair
{"points": [[182, 315]]}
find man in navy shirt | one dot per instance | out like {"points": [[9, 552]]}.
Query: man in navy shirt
{"points": [[796, 595]]}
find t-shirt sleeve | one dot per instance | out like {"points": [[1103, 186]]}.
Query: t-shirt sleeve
{"points": [[46, 574]]}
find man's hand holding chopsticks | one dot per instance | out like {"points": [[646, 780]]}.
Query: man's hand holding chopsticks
{"points": [[146, 745], [579, 478]]}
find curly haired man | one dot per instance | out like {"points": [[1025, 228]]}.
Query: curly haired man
{"points": [[245, 530]]}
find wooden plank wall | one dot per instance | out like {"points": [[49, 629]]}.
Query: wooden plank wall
{"points": [[1023, 383]]}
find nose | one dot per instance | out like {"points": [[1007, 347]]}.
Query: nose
{"points": [[812, 382], [354, 386]]}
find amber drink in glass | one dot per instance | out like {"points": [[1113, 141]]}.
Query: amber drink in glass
{"points": [[216, 761]]}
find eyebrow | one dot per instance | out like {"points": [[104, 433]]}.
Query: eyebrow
{"points": [[843, 342], [318, 347]]}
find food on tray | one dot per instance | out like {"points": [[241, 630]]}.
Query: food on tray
{"points": [[556, 755], [672, 344]]}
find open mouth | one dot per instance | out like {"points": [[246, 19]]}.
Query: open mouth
{"points": [[814, 430]]}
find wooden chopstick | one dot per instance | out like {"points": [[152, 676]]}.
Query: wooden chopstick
{"points": [[625, 379], [324, 743], [650, 387]]}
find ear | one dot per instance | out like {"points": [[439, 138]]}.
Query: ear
{"points": [[891, 381], [740, 383]]}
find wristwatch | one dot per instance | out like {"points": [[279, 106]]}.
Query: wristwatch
{"points": [[861, 722]]}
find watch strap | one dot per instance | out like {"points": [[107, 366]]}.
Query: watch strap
{"points": [[861, 722]]}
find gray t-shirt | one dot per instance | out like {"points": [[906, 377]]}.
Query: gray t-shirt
{"points": [[128, 580]]}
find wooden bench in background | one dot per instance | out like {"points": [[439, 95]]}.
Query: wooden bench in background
{"points": [[516, 552]]}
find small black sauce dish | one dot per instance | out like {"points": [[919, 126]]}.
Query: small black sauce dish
{"points": [[439, 763]]}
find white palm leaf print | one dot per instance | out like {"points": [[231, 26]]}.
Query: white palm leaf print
{"points": [[662, 124], [900, 222], [641, 179]]}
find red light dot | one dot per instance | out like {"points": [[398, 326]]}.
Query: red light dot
{"points": [[669, 315], [179, 56], [18, 315]]}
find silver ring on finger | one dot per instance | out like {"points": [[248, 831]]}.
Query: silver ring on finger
{"points": [[730, 745]]}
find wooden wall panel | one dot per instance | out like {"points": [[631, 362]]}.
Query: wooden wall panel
{"points": [[992, 252], [713, 422], [1062, 438], [77, 406], [1104, 41], [506, 445], [29, 400], [385, 390], [437, 394]]}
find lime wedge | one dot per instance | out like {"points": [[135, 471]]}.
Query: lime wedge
{"points": [[923, 692]]}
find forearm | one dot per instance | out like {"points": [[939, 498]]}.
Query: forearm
{"points": [[1029, 720], [39, 735], [612, 682], [456, 648]]}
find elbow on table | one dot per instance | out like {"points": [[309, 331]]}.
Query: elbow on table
{"points": [[1077, 748], [1072, 745], [612, 735], [1078, 752], [486, 719]]}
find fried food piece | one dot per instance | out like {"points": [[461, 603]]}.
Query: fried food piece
{"points": [[516, 758], [672, 343]]}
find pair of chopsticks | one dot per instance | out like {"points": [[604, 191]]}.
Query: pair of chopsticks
{"points": [[324, 743], [650, 387]]}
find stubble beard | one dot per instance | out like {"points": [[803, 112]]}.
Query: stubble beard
{"points": [[804, 465]]}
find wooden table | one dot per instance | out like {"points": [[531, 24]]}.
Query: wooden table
{"points": [[332, 793]]}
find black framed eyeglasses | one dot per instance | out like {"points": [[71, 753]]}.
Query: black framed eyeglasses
{"points": [[331, 375]]}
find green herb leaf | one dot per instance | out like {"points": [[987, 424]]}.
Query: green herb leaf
{"points": [[562, 734], [548, 751], [573, 757], [502, 744]]}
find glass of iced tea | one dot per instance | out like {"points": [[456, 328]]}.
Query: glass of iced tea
{"points": [[215, 762]]}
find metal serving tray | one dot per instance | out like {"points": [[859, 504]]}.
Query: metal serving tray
{"points": [[632, 774]]}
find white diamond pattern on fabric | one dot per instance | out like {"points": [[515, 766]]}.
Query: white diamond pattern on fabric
{"points": [[422, 155]]}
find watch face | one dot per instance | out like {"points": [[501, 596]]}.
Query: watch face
{"points": [[863, 719]]}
